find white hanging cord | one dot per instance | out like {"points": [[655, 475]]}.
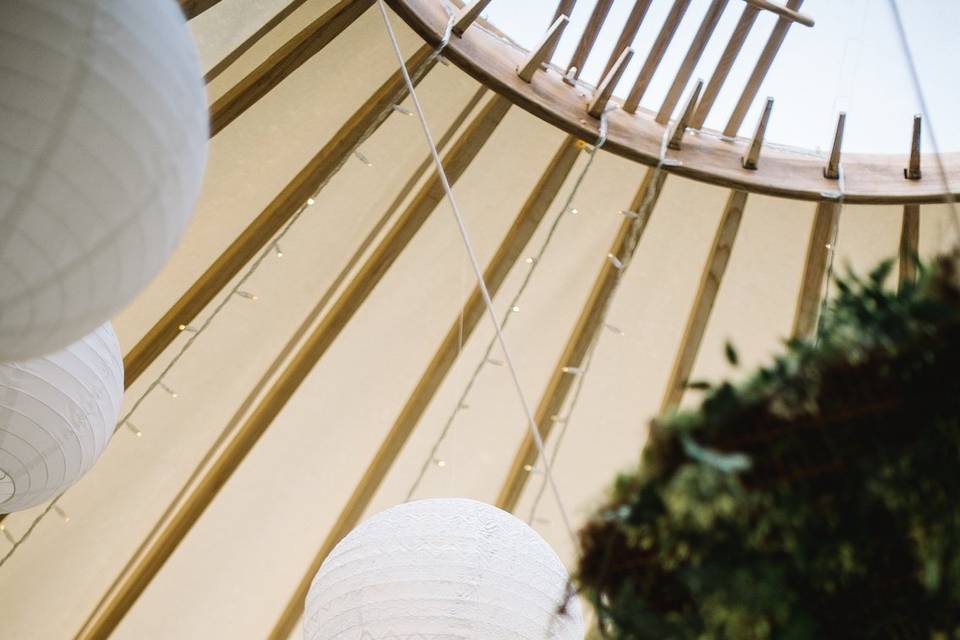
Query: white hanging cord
{"points": [[915, 79], [534, 430], [534, 262]]}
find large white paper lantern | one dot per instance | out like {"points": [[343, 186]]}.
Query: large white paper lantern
{"points": [[57, 413], [103, 136], [442, 568]]}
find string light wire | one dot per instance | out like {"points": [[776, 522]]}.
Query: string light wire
{"points": [[475, 264]]}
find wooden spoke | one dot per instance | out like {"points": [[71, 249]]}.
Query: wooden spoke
{"points": [[832, 170], [667, 31], [587, 40], [460, 330], [690, 61], [724, 64], [258, 233], [819, 248], [710, 279], [629, 32], [909, 244], [769, 52], [469, 15], [583, 334]]}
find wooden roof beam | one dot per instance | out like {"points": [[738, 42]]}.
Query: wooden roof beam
{"points": [[577, 347], [589, 38], [659, 48], [909, 245], [629, 32], [770, 50], [724, 64], [819, 246], [700, 40], [712, 275]]}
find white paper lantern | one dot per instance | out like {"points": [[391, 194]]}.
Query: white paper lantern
{"points": [[442, 569], [57, 414], [103, 137]]}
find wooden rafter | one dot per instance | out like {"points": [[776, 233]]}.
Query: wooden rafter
{"points": [[819, 247], [725, 63], [764, 63], [583, 334], [909, 245], [284, 61], [696, 327], [690, 61], [564, 8], [588, 39], [103, 621], [259, 232], [659, 48], [782, 11], [629, 32], [245, 46], [443, 360]]}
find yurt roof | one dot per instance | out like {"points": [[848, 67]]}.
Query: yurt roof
{"points": [[279, 344]]}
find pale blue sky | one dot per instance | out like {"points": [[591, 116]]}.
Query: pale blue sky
{"points": [[851, 60]]}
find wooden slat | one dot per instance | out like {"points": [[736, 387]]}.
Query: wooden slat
{"points": [[564, 8], [815, 269], [284, 61], [724, 64], [588, 39], [690, 60], [629, 32], [259, 232], [245, 46], [710, 279], [769, 52], [782, 11], [103, 621], [443, 360], [295, 339], [909, 244], [589, 322], [659, 48], [752, 158], [193, 8]]}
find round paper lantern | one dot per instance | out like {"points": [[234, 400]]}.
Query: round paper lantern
{"points": [[103, 136], [442, 568], [57, 414]]}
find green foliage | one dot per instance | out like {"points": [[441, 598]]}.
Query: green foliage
{"points": [[818, 498]]}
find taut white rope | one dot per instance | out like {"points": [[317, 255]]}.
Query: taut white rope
{"points": [[478, 272]]}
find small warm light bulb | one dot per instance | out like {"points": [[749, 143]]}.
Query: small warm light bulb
{"points": [[528, 468], [311, 202], [515, 309], [278, 250], [173, 394], [441, 463], [530, 260], [134, 429], [247, 295], [574, 210]]}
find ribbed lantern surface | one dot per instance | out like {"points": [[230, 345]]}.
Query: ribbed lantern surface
{"points": [[57, 414], [103, 137], [442, 569]]}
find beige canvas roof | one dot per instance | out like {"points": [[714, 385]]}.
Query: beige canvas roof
{"points": [[236, 569]]}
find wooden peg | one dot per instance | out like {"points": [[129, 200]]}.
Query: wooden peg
{"points": [[540, 55], [832, 170], [469, 14], [684, 120], [912, 172], [609, 82], [753, 151]]}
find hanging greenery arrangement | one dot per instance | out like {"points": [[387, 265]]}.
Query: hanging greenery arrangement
{"points": [[819, 498]]}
